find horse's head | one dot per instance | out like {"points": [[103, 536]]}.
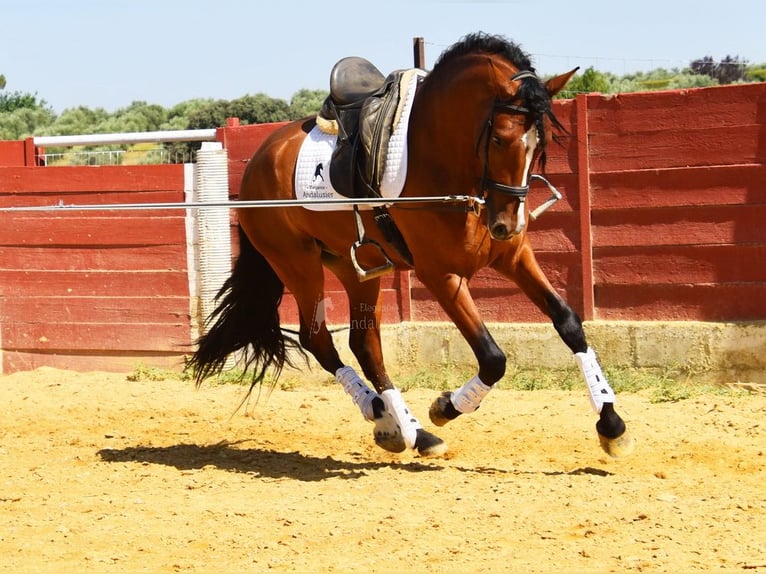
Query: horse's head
{"points": [[513, 139], [500, 123]]}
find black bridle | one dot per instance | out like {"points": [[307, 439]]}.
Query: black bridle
{"points": [[487, 185]]}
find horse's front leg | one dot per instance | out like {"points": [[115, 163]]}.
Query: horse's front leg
{"points": [[452, 292], [526, 272]]}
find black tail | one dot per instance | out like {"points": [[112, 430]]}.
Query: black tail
{"points": [[246, 319]]}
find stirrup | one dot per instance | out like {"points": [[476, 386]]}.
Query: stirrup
{"points": [[367, 274]]}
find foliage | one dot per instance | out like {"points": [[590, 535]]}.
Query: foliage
{"points": [[250, 109], [592, 81], [72, 121], [12, 101], [727, 71], [307, 102], [660, 385], [23, 122], [589, 81], [756, 73]]}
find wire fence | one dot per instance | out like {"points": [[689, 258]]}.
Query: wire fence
{"points": [[134, 155]]}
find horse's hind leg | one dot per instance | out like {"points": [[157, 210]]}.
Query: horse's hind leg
{"points": [[527, 274], [403, 430]]}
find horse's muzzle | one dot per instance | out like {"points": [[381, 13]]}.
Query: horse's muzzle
{"points": [[500, 229]]}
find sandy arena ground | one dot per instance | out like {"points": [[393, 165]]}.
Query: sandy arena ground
{"points": [[99, 474]]}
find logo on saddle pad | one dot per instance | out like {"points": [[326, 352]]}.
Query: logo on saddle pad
{"points": [[318, 172]]}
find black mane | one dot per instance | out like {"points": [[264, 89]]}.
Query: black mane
{"points": [[490, 44], [532, 92]]}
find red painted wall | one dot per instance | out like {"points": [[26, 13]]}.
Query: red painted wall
{"points": [[92, 290], [662, 219]]}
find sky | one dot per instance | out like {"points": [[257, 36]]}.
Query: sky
{"points": [[110, 53]]}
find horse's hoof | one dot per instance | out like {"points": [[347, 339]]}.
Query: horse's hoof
{"points": [[388, 435], [429, 444], [442, 410], [618, 447]]}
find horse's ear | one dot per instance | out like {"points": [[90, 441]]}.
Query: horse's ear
{"points": [[557, 83]]}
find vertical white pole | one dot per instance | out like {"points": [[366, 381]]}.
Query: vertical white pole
{"points": [[213, 228]]}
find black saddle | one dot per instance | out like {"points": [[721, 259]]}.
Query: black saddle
{"points": [[354, 79], [363, 102]]}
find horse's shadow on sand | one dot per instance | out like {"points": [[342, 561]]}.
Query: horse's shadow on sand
{"points": [[258, 462], [293, 465]]}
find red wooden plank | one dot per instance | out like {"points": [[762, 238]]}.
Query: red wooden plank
{"points": [[660, 111], [241, 142], [69, 230], [546, 236], [692, 225], [676, 148], [508, 306], [12, 153], [499, 299], [336, 308], [101, 179], [121, 362], [92, 337], [135, 258], [39, 199], [563, 271], [561, 155], [716, 264], [161, 310], [717, 185], [46, 283], [730, 302], [566, 183]]}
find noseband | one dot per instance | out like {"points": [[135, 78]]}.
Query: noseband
{"points": [[487, 185]]}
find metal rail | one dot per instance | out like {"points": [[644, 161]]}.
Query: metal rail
{"points": [[245, 204]]}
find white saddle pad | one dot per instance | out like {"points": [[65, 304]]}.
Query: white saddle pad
{"points": [[312, 171]]}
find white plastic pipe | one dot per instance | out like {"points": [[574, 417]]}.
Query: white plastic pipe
{"points": [[126, 138], [213, 228]]}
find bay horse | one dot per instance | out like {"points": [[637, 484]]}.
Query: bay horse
{"points": [[480, 119]]}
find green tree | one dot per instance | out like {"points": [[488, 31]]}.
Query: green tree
{"points": [[588, 82], [137, 117], [210, 115], [660, 79], [73, 121], [756, 73], [729, 70], [178, 116], [259, 109], [250, 109], [21, 114], [24, 122], [307, 102]]}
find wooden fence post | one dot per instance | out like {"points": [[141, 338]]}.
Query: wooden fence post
{"points": [[583, 187]]}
